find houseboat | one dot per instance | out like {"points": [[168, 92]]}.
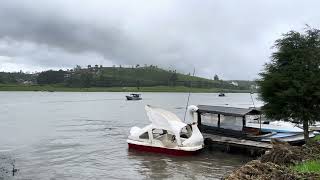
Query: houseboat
{"points": [[234, 122]]}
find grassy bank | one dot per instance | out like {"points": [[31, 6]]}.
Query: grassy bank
{"points": [[308, 167], [61, 88], [317, 138]]}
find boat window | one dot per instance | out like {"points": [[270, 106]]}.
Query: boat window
{"points": [[226, 122], [167, 138], [158, 132], [144, 136], [230, 122], [209, 119], [186, 132]]}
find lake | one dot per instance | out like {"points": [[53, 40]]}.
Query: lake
{"points": [[76, 135]]}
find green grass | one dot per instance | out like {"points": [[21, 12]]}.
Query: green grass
{"points": [[308, 166], [14, 87], [317, 138]]}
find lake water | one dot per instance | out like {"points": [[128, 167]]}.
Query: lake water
{"points": [[61, 135]]}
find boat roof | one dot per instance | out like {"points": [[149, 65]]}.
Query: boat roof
{"points": [[134, 94], [164, 119], [228, 111]]}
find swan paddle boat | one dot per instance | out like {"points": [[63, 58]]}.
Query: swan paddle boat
{"points": [[167, 133]]}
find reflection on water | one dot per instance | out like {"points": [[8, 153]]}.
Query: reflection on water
{"points": [[208, 164], [83, 136]]}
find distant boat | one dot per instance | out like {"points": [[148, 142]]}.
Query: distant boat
{"points": [[221, 95], [134, 97]]}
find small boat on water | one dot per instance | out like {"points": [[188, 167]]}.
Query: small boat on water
{"points": [[167, 134], [134, 96], [282, 130], [276, 126], [315, 127], [293, 138], [221, 95]]}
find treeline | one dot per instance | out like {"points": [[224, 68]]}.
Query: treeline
{"points": [[135, 76], [16, 77]]}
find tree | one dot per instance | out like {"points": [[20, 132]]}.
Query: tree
{"points": [[290, 83], [1, 79], [86, 79], [216, 77], [138, 83], [77, 68], [173, 78], [51, 77]]}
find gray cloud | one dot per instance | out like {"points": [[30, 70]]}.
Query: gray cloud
{"points": [[232, 40]]}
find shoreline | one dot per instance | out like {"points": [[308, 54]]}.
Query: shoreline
{"points": [[60, 88], [283, 161]]}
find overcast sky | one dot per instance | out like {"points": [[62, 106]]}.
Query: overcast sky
{"points": [[230, 38]]}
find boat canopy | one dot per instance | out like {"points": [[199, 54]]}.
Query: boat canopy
{"points": [[162, 119], [134, 94], [228, 111]]}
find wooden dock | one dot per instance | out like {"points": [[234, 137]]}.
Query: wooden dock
{"points": [[253, 147]]}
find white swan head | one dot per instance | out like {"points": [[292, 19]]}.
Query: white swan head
{"points": [[191, 109]]}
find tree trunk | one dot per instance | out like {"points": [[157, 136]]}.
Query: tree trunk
{"points": [[306, 130]]}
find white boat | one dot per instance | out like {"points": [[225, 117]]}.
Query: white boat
{"points": [[167, 133], [276, 126], [293, 138], [134, 97]]}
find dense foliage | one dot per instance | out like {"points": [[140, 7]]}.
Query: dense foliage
{"points": [[290, 84], [17, 77], [51, 77]]}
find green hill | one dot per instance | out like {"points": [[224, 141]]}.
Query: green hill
{"points": [[120, 78], [141, 77]]}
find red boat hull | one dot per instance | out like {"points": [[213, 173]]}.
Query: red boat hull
{"points": [[174, 152]]}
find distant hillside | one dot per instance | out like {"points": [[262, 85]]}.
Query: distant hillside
{"points": [[99, 76]]}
